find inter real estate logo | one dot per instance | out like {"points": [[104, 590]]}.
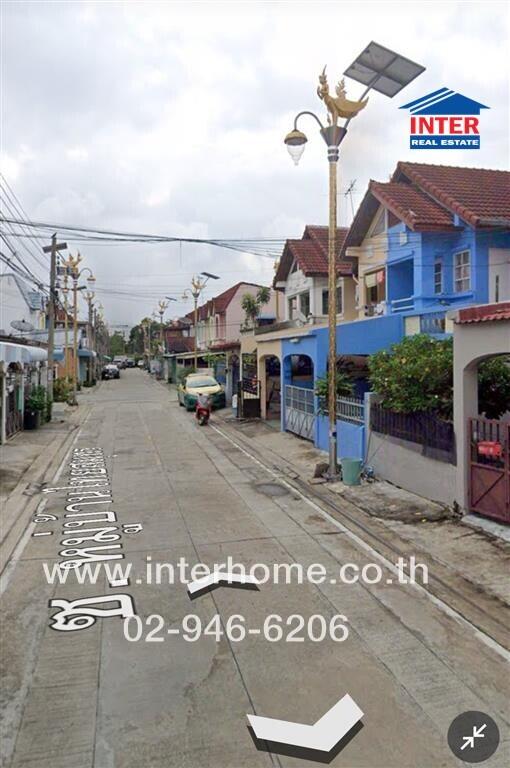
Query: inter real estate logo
{"points": [[444, 119]]}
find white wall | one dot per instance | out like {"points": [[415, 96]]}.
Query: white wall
{"points": [[14, 307]]}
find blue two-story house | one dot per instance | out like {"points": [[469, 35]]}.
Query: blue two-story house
{"points": [[433, 238]]}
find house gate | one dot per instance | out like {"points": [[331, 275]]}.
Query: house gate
{"points": [[300, 411], [489, 468]]}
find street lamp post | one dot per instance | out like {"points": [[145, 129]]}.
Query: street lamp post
{"points": [[65, 291], [75, 274], [387, 72], [198, 283], [89, 298]]}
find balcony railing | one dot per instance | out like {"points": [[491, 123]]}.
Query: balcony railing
{"points": [[402, 305]]}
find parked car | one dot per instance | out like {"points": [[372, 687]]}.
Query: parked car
{"points": [[110, 371], [198, 383], [141, 364], [130, 363], [120, 362]]}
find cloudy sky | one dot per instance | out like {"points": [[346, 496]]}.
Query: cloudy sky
{"points": [[168, 118]]}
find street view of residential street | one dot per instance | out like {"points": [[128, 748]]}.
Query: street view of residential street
{"points": [[254, 384], [92, 697]]}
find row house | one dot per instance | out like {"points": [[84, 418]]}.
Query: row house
{"points": [[430, 241], [302, 277], [221, 318], [221, 323]]}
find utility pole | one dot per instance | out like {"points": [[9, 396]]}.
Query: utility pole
{"points": [[52, 249]]}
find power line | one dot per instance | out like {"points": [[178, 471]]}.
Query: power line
{"points": [[267, 247], [22, 240]]}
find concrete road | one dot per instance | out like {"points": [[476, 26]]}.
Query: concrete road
{"points": [[90, 697]]}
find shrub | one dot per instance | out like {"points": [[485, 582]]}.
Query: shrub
{"points": [[61, 390], [343, 386], [415, 375], [37, 400]]}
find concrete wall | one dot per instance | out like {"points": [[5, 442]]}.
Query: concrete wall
{"points": [[350, 438], [401, 462]]}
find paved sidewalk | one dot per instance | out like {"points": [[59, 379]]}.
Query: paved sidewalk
{"points": [[475, 554], [25, 460]]}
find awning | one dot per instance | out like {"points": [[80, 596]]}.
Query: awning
{"points": [[21, 353]]}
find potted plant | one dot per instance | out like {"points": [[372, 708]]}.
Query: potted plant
{"points": [[35, 406]]}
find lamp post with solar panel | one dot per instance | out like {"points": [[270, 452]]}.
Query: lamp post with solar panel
{"points": [[381, 70], [198, 283]]}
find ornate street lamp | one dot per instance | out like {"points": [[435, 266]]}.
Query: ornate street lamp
{"points": [[378, 69], [71, 265], [197, 286]]}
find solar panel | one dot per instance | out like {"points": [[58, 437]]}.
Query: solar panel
{"points": [[383, 70]]}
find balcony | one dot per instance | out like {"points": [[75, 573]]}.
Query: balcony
{"points": [[402, 305]]}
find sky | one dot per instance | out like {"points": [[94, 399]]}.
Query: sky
{"points": [[168, 118]]}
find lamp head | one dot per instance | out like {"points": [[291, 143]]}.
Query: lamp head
{"points": [[295, 141]]}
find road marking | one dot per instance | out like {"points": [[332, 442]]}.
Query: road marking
{"points": [[323, 736], [220, 577], [43, 533], [7, 572], [451, 612]]}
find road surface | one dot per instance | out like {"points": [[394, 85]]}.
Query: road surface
{"points": [[90, 697]]}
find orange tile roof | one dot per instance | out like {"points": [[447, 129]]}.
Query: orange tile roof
{"points": [[311, 253], [411, 206], [484, 313], [480, 196]]}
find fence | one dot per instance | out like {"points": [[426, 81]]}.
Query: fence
{"points": [[436, 436], [300, 411], [350, 409]]}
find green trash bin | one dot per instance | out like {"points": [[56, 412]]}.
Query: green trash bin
{"points": [[351, 471]]}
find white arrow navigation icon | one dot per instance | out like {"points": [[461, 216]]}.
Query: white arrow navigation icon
{"points": [[478, 733], [323, 736], [220, 577]]}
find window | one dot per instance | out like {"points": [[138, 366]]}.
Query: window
{"points": [[304, 303], [292, 305], [375, 287], [461, 272], [339, 301], [438, 277]]}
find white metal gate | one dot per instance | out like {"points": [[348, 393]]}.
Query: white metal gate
{"points": [[300, 411]]}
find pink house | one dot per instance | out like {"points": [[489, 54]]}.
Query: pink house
{"points": [[220, 319]]}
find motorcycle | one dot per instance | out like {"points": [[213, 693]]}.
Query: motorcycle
{"points": [[203, 410]]}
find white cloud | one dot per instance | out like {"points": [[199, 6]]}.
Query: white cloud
{"points": [[169, 118]]}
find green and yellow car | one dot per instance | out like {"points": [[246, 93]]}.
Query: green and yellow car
{"points": [[200, 384]]}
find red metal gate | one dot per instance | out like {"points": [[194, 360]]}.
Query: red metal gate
{"points": [[489, 468]]}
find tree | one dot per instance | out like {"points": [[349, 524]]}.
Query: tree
{"points": [[252, 305], [494, 387], [415, 375], [116, 344]]}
